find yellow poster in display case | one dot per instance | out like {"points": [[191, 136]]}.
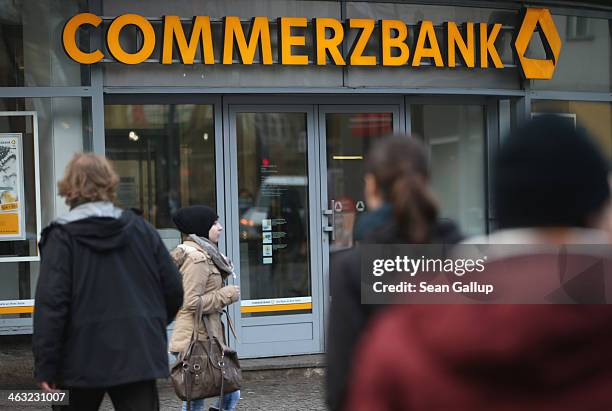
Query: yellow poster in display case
{"points": [[11, 187]]}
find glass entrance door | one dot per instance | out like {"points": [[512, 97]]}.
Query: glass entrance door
{"points": [[346, 134], [272, 159]]}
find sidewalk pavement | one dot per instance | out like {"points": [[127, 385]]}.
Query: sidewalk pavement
{"points": [[299, 390], [282, 383]]}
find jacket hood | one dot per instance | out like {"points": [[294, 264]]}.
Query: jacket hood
{"points": [[101, 233], [91, 209], [180, 253]]}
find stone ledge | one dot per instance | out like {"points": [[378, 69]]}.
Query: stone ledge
{"points": [[280, 363]]}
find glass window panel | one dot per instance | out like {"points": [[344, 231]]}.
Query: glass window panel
{"points": [[273, 203], [164, 155], [23, 125], [456, 147], [583, 40], [31, 51], [595, 117], [64, 127], [349, 137]]}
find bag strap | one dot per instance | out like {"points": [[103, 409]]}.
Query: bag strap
{"points": [[194, 333], [207, 326], [196, 320], [229, 321], [231, 324]]}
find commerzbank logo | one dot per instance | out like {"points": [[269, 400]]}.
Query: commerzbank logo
{"points": [[538, 68], [320, 41]]}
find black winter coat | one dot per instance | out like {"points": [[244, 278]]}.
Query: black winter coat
{"points": [[106, 292], [348, 317]]}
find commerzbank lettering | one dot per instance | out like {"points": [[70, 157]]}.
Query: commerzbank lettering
{"points": [[470, 45]]}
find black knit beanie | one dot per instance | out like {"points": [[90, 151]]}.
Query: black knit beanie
{"points": [[549, 173], [195, 220]]}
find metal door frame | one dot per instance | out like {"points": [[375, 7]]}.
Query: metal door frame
{"points": [[277, 345], [399, 126]]}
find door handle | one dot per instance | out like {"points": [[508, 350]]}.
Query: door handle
{"points": [[331, 215]]}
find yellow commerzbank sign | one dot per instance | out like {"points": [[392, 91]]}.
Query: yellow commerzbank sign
{"points": [[472, 43]]}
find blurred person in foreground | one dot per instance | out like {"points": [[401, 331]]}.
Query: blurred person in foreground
{"points": [[552, 188], [402, 211], [106, 292]]}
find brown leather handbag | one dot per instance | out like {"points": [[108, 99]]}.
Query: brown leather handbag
{"points": [[205, 369]]}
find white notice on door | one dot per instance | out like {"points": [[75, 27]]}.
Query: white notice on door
{"points": [[267, 250], [266, 224]]}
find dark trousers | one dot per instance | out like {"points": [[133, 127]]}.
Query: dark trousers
{"points": [[137, 396]]}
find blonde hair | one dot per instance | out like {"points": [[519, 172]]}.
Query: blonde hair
{"points": [[88, 177]]}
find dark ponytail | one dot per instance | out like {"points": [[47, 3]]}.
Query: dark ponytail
{"points": [[400, 168]]}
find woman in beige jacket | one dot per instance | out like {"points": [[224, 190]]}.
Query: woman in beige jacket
{"points": [[204, 270]]}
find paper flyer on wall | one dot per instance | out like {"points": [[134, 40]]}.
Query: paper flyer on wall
{"points": [[11, 187]]}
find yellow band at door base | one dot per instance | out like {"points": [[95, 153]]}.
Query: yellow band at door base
{"points": [[250, 309], [23, 309], [275, 307]]}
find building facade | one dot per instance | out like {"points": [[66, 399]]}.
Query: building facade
{"points": [[268, 118]]}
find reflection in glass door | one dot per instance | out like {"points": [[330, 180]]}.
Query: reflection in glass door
{"points": [[164, 155], [457, 152], [278, 310], [348, 135]]}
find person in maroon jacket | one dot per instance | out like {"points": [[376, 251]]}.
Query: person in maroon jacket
{"points": [[551, 188]]}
